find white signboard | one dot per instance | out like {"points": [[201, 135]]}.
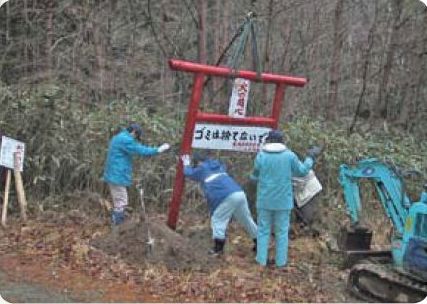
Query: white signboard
{"points": [[227, 137], [239, 98], [305, 188], [10, 147]]}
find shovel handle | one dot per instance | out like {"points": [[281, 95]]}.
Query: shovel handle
{"points": [[150, 240]]}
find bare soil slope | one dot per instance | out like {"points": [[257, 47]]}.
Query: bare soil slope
{"points": [[175, 251]]}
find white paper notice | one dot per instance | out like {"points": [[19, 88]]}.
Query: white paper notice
{"points": [[9, 148]]}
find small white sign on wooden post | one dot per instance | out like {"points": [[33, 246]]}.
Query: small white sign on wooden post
{"points": [[9, 148], [239, 98], [229, 137]]}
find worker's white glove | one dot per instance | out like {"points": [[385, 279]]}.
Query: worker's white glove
{"points": [[163, 148], [186, 160]]}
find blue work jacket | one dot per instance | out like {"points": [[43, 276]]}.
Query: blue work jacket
{"points": [[118, 166], [214, 180], [274, 167]]}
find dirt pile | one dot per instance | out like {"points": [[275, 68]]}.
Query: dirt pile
{"points": [[129, 242]]}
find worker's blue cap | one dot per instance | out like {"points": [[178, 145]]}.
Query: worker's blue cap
{"points": [[137, 128], [275, 136]]}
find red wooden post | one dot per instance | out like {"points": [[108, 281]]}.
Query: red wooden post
{"points": [[277, 104], [185, 148], [194, 115]]}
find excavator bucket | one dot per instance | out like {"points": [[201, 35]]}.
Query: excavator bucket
{"points": [[351, 239], [355, 243]]}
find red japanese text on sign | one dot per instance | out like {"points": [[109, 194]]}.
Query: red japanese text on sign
{"points": [[239, 98]]}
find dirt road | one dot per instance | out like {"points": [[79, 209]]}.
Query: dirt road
{"points": [[18, 291]]}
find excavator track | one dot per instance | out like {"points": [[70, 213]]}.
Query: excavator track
{"points": [[372, 281]]}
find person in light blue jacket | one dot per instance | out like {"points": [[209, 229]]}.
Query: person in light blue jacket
{"points": [[119, 165], [224, 196], [274, 167]]}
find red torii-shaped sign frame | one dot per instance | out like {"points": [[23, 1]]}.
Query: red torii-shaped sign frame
{"points": [[194, 115]]}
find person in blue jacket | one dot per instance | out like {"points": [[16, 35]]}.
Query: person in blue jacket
{"points": [[119, 165], [274, 167], [225, 198]]}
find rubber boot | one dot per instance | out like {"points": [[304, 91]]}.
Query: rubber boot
{"points": [[218, 247], [117, 217]]}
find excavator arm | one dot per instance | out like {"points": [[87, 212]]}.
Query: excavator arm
{"points": [[389, 187], [351, 193]]}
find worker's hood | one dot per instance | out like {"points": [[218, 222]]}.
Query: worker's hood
{"points": [[274, 147]]}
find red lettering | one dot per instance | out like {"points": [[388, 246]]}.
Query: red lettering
{"points": [[241, 102], [243, 87]]}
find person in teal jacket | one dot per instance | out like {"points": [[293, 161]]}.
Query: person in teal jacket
{"points": [[119, 165], [274, 167]]}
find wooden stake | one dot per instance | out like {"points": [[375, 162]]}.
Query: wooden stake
{"points": [[20, 193], [19, 186], [6, 199]]}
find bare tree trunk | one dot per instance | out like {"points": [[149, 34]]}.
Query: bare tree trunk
{"points": [[266, 56], [289, 105], [420, 106], [336, 62], [201, 10], [313, 55], [49, 37], [99, 57], [218, 30], [226, 8], [366, 56], [266, 65], [226, 36], [7, 22], [381, 104], [413, 110], [26, 59]]}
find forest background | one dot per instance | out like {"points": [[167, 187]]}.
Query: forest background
{"points": [[73, 72]]}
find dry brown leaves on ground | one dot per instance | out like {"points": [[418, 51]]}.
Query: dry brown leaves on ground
{"points": [[178, 268]]}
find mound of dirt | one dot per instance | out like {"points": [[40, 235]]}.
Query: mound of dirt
{"points": [[129, 242]]}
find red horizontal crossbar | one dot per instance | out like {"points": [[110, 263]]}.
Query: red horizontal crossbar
{"points": [[224, 119], [222, 71]]}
